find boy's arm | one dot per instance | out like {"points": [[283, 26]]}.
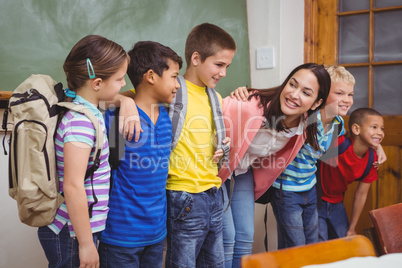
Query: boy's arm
{"points": [[240, 93], [129, 119], [219, 153], [358, 204]]}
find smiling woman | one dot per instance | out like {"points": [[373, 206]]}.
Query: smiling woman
{"points": [[267, 131]]}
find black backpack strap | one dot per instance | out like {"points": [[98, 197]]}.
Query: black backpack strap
{"points": [[369, 164], [4, 126], [90, 173], [265, 227], [116, 141], [117, 144]]}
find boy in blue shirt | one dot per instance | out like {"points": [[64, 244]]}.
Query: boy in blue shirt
{"points": [[136, 223], [194, 196]]}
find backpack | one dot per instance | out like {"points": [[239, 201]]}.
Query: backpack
{"points": [[33, 112]]}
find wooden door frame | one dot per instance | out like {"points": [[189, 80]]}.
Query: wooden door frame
{"points": [[319, 21], [321, 29]]}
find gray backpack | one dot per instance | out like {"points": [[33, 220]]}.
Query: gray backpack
{"points": [[33, 113]]}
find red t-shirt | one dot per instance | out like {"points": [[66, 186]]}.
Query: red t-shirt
{"points": [[342, 171]]}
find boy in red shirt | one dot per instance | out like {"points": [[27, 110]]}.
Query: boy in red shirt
{"points": [[354, 162]]}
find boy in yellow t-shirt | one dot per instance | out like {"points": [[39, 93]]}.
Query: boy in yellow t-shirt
{"points": [[194, 196]]}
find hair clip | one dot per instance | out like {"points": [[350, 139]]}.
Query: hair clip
{"points": [[69, 93], [90, 68]]}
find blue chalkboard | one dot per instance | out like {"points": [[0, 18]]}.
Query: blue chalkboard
{"points": [[36, 35]]}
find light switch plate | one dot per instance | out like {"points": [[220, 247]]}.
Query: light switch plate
{"points": [[265, 58]]}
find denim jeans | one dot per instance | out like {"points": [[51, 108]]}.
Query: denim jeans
{"points": [[194, 227], [61, 250], [238, 219], [332, 221], [296, 217], [138, 257]]}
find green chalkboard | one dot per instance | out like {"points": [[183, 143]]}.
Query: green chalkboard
{"points": [[36, 35]]}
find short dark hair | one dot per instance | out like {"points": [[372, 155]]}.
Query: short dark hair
{"points": [[359, 115], [149, 55], [207, 39]]}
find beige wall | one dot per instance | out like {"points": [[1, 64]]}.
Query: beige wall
{"points": [[278, 24], [19, 245]]}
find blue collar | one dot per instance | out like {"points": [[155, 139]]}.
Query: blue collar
{"points": [[80, 100]]}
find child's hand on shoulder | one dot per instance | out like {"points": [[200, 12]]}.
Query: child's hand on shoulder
{"points": [[129, 119], [240, 93], [219, 153], [381, 157]]}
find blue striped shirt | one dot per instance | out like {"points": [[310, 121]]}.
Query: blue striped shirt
{"points": [[299, 175], [76, 127], [137, 215]]}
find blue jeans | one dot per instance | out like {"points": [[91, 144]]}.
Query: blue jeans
{"points": [[332, 221], [61, 250], [194, 227], [138, 257], [238, 220], [296, 217]]}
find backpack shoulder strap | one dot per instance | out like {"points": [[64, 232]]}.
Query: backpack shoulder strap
{"points": [[98, 132], [178, 110], [343, 146], [369, 164], [116, 141], [85, 111], [98, 144], [218, 121]]}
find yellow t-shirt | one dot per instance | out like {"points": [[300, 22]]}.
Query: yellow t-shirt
{"points": [[191, 167]]}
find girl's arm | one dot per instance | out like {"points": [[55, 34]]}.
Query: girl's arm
{"points": [[358, 205], [76, 155], [129, 119]]}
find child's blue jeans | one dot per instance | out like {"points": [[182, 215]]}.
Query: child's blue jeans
{"points": [[296, 216], [238, 220], [194, 227], [61, 250], [332, 221], [142, 257]]}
